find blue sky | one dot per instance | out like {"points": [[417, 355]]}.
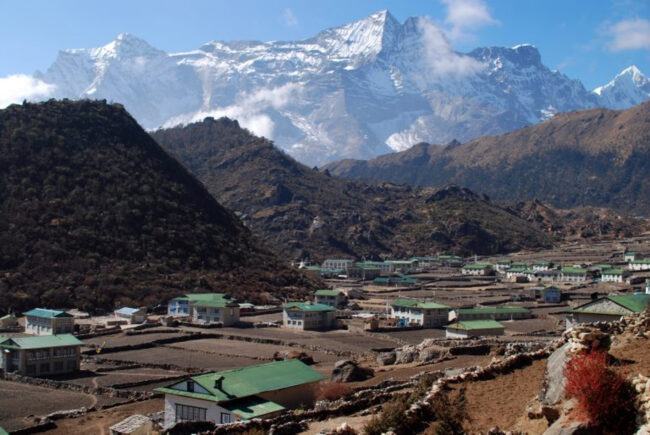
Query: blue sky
{"points": [[591, 40]]}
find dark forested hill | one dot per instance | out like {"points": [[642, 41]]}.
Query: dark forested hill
{"points": [[594, 157], [93, 213], [301, 212]]}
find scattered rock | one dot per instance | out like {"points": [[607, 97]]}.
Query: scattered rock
{"points": [[350, 371]]}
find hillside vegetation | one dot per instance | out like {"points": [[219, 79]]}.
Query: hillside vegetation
{"points": [[94, 213], [301, 212], [593, 157]]}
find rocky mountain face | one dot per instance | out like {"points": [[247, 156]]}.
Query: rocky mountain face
{"points": [[94, 213], [595, 157], [355, 91], [302, 213], [579, 222]]}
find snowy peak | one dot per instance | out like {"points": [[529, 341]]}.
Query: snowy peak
{"points": [[361, 39], [630, 87]]}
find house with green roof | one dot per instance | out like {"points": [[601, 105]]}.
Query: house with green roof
{"points": [[477, 269], [43, 321], [342, 264], [39, 355], [413, 312], [629, 256], [493, 313], [307, 316], [516, 273], [608, 309], [571, 274], [639, 264], [474, 328], [613, 275], [334, 298], [502, 265], [205, 308], [259, 391], [538, 266]]}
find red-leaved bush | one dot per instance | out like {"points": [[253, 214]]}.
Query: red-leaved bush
{"points": [[604, 398], [332, 391]]}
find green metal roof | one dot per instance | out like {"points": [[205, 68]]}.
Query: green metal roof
{"points": [[325, 292], [306, 306], [411, 303], [3, 432], [493, 310], [404, 262], [477, 266], [252, 407], [519, 264], [39, 341], [381, 279], [612, 272], [345, 260], [504, 262], [47, 313], [541, 263], [644, 261], [217, 300], [516, 270], [469, 325], [573, 271], [634, 303], [249, 381]]}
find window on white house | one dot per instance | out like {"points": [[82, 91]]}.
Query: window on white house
{"points": [[225, 418], [190, 413]]}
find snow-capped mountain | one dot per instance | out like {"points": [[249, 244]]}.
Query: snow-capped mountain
{"points": [[355, 91], [628, 88]]}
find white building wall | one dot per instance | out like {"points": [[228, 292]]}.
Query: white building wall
{"points": [[213, 411]]}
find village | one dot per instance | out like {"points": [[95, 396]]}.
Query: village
{"points": [[205, 357]]}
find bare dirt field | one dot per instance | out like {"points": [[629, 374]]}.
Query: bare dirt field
{"points": [[122, 339], [182, 358], [98, 422], [502, 401], [19, 400], [118, 377]]}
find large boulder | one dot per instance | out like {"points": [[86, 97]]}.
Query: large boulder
{"points": [[386, 358], [427, 355], [350, 371], [554, 380], [406, 354]]}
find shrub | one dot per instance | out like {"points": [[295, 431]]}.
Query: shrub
{"points": [[448, 415], [332, 391], [603, 396], [391, 417]]}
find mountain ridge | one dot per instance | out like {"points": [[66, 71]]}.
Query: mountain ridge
{"points": [[302, 213], [593, 157], [354, 91]]}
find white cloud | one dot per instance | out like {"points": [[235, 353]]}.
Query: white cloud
{"points": [[441, 57], [289, 18], [464, 15], [631, 34], [249, 109], [19, 87]]}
